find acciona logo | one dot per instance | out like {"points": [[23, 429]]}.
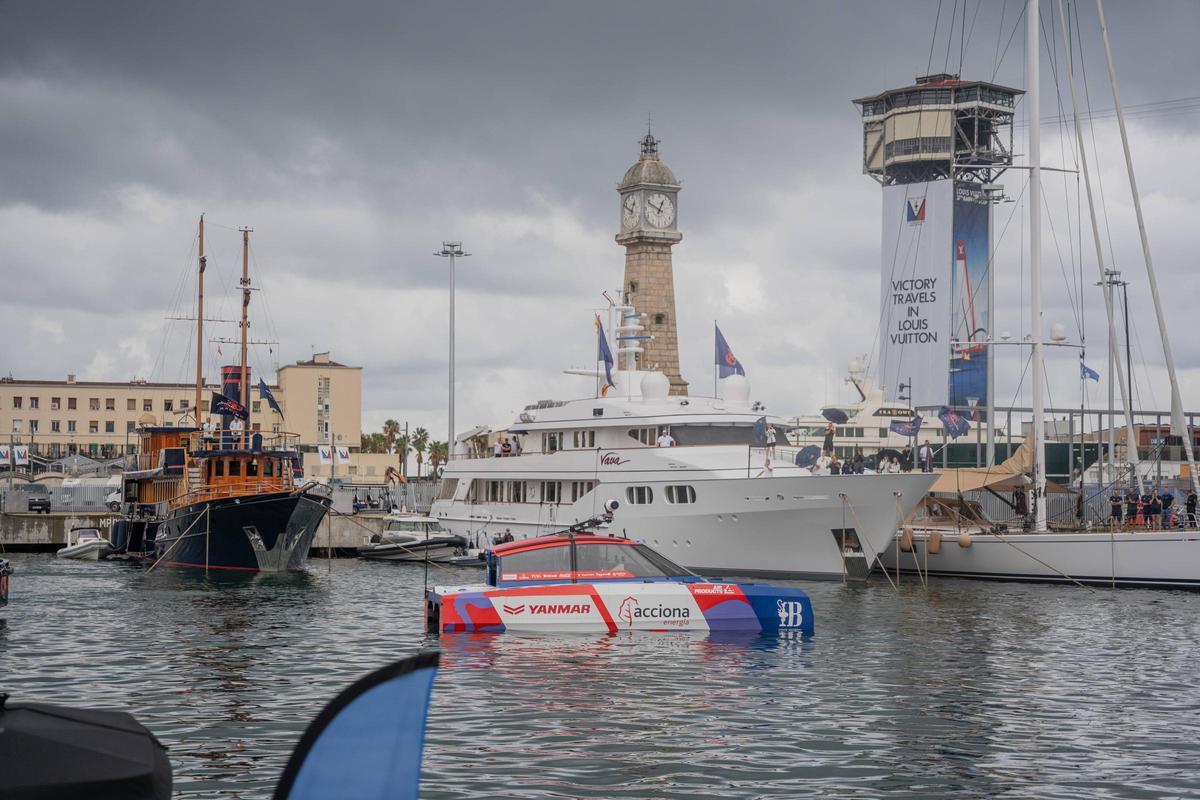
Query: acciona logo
{"points": [[630, 610], [791, 613]]}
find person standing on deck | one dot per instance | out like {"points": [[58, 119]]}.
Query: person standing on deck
{"points": [[1151, 508], [906, 459], [1190, 505], [665, 439], [1131, 507], [926, 457], [1114, 505], [1168, 502], [830, 430]]}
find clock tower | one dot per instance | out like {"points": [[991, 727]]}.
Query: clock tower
{"points": [[649, 192]]}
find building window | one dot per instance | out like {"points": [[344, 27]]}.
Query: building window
{"points": [[72, 404], [93, 404], [550, 492], [110, 404], [55, 426], [94, 426], [110, 427], [235, 469], [16, 402], [33, 403], [660, 319], [54, 403], [147, 405], [184, 405], [129, 426], [639, 495], [33, 426], [70, 426], [131, 404], [681, 494], [256, 406], [255, 426], [219, 469], [168, 405], [16, 426]]}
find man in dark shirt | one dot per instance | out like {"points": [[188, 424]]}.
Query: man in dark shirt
{"points": [[1131, 506], [1190, 505], [1168, 501], [906, 459], [1151, 508], [1114, 505]]}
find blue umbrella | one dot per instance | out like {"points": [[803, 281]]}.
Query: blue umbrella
{"points": [[836, 416], [367, 742], [807, 456]]}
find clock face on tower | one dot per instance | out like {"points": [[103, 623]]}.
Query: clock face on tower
{"points": [[631, 211], [660, 210]]}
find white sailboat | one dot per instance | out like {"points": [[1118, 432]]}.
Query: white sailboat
{"points": [[1149, 558]]}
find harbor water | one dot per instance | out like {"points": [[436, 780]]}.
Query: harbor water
{"points": [[969, 689]]}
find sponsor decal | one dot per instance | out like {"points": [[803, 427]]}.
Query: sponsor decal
{"points": [[714, 588], [894, 412], [915, 211], [631, 609], [513, 609], [791, 613], [552, 609], [612, 460]]}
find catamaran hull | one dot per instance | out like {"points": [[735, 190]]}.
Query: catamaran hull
{"points": [[1124, 559], [779, 527], [259, 533]]}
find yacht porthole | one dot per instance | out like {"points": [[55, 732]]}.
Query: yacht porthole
{"points": [[779, 496], [720, 518], [688, 542], [733, 517], [675, 542]]}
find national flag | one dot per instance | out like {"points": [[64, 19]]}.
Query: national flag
{"points": [[956, 424], [605, 355], [1087, 372], [264, 393], [727, 363], [226, 405], [909, 428]]}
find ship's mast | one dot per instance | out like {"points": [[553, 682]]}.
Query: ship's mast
{"points": [[1032, 21], [245, 390], [200, 328]]}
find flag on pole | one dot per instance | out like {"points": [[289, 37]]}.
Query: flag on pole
{"points": [[909, 429], [956, 424], [1087, 372], [727, 363], [605, 355], [226, 405], [264, 393]]}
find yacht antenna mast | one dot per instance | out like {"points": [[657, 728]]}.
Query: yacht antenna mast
{"points": [[1178, 424], [200, 328], [245, 393]]}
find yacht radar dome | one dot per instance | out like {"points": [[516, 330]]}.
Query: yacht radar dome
{"points": [[655, 386], [735, 389]]}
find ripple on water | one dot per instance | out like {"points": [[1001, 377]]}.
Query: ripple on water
{"points": [[969, 690]]}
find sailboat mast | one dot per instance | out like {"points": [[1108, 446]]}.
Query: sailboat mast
{"points": [[200, 328], [1106, 282], [1178, 424], [1032, 19], [245, 393]]}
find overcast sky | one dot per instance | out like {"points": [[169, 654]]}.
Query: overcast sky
{"points": [[355, 137]]}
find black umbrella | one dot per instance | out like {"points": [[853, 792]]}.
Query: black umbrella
{"points": [[51, 752], [807, 456], [835, 415]]}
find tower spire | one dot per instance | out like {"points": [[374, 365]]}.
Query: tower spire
{"points": [[648, 142]]}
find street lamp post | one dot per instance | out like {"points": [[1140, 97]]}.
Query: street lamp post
{"points": [[451, 250]]}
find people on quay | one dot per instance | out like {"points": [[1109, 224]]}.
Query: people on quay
{"points": [[1115, 502], [830, 430], [665, 439], [1167, 500], [906, 459], [504, 538], [926, 457], [1152, 511], [1189, 503]]}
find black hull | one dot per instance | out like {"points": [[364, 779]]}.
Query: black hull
{"points": [[258, 533]]}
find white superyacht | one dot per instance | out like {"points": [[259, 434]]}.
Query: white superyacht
{"points": [[711, 501]]}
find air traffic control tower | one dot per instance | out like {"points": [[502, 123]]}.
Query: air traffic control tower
{"points": [[937, 148]]}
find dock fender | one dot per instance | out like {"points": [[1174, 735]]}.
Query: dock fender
{"points": [[935, 542], [906, 540]]}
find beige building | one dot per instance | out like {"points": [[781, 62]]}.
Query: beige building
{"points": [[321, 401]]}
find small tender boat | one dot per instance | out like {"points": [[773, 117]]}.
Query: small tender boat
{"points": [[413, 537], [86, 544], [577, 581]]}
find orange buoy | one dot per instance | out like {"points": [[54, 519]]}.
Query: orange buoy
{"points": [[935, 542], [906, 540]]}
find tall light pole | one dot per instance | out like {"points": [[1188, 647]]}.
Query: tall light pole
{"points": [[451, 250]]}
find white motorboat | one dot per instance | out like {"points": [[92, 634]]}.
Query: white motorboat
{"points": [[711, 502], [413, 537], [86, 544]]}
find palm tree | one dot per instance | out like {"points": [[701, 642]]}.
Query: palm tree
{"points": [[403, 445], [391, 429], [437, 456], [420, 440], [373, 443]]}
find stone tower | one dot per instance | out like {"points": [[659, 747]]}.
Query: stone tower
{"points": [[649, 192]]}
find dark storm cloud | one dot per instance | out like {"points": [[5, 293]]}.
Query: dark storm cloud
{"points": [[356, 136]]}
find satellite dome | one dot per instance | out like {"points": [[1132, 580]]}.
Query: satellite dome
{"points": [[735, 389], [655, 386]]}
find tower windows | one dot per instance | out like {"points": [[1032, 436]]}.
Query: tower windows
{"points": [[660, 319]]}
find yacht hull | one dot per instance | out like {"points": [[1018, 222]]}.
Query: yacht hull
{"points": [[781, 527], [1154, 559]]}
